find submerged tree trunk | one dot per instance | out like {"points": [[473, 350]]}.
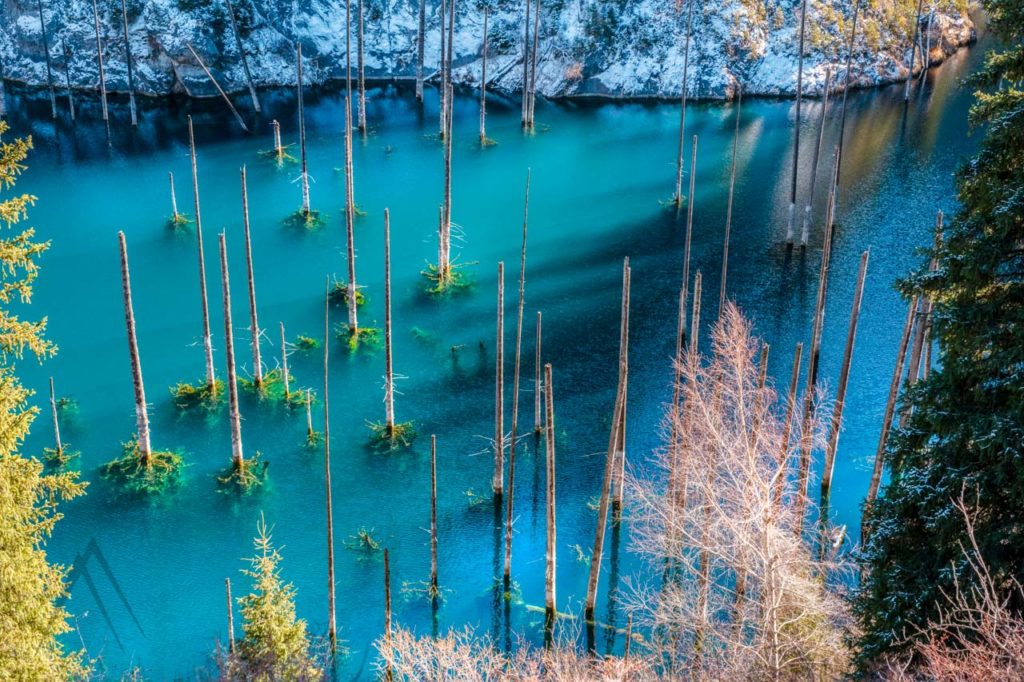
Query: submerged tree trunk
{"points": [[678, 198], [689, 226], [99, 61], [128, 62], [223, 95], [497, 481], [284, 372], [619, 480], [257, 363], [278, 147], [175, 216], [443, 76], [533, 65], [388, 673], [538, 385], [67, 80], [434, 590], [46, 54], [796, 125], [237, 459], [245, 60], [419, 49], [483, 85], [444, 265], [141, 414], [211, 377], [728, 211], [350, 248], [389, 377], [361, 116], [59, 446], [304, 173], [526, 64], [231, 615], [805, 231], [332, 628], [551, 542]]}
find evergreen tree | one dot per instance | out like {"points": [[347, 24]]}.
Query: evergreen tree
{"points": [[30, 620], [275, 645], [965, 432]]}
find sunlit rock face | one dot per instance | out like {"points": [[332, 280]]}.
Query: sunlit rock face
{"points": [[613, 48]]}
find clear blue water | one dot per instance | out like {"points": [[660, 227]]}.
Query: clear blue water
{"points": [[599, 171]]}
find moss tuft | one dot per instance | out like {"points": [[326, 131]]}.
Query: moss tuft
{"points": [[178, 220], [313, 438], [454, 281], [339, 294], [271, 389], [161, 472], [360, 337], [243, 477], [201, 394], [363, 541], [305, 344], [399, 436], [59, 458], [310, 220]]}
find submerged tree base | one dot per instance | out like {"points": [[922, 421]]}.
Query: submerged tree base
{"points": [[305, 344], [454, 281], [363, 541], [423, 589], [313, 438], [187, 396], [279, 156], [674, 202], [58, 458], [400, 435], [159, 473], [339, 294], [308, 220], [487, 142], [243, 477], [271, 388], [178, 220], [359, 337]]}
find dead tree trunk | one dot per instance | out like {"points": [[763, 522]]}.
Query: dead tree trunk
{"points": [[175, 216], [551, 540], [787, 426], [890, 407], [515, 393], [278, 147], [245, 60], [389, 377], [332, 628], [533, 65], [806, 229], [231, 615], [434, 590], [538, 385], [237, 459], [3, 92], [449, 65], [310, 432], [388, 673], [284, 369], [350, 247], [526, 64], [497, 479], [444, 266], [846, 87], [257, 363], [689, 226], [619, 470], [678, 198], [99, 61], [796, 125], [728, 211], [141, 414], [128, 63], [913, 52], [483, 85], [211, 377], [443, 75], [361, 116], [67, 80], [419, 49], [46, 54], [223, 95], [59, 446], [844, 376], [304, 173]]}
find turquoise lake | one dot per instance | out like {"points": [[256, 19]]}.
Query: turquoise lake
{"points": [[599, 173]]}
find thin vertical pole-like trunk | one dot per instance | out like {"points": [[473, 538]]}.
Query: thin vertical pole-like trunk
{"points": [[231, 615], [3, 92], [689, 225], [450, 63], [533, 64], [551, 541], [890, 407], [675, 482], [67, 80], [389, 377], [926, 363], [844, 376], [361, 115], [257, 363], [421, 29], [332, 628], [805, 230], [497, 479], [444, 269], [141, 415], [538, 384], [787, 427], [609, 478], [515, 391], [304, 173], [914, 361], [434, 590], [237, 459], [443, 76], [220, 90], [310, 432], [46, 53], [846, 87], [618, 447], [483, 84], [388, 673], [526, 64], [99, 61], [796, 126], [678, 199], [278, 147], [128, 62], [350, 246], [56, 422], [175, 216], [728, 210], [913, 52], [284, 367], [695, 314], [211, 377], [245, 60]]}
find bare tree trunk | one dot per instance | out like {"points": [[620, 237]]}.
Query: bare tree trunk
{"points": [[806, 229], [787, 426], [551, 541], [449, 64], [211, 377], [689, 226], [913, 53], [844, 376], [67, 79], [890, 407], [332, 628], [310, 433], [533, 65], [245, 60], [278, 147], [141, 414], [174, 200], [361, 120], [927, 342], [223, 95], [237, 459], [444, 268], [350, 247], [728, 211], [796, 125], [99, 61], [618, 446], [526, 65], [284, 367], [3, 92], [388, 673], [231, 615], [128, 62], [497, 480], [483, 85], [538, 385], [56, 422], [678, 199], [443, 89], [46, 53], [846, 87], [304, 173], [389, 377], [419, 49], [515, 392], [433, 518], [257, 362]]}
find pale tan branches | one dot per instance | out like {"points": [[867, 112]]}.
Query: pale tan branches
{"points": [[743, 595], [977, 636]]}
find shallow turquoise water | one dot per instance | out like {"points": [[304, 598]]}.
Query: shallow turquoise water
{"points": [[599, 172]]}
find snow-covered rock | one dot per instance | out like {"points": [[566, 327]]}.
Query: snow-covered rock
{"points": [[616, 48]]}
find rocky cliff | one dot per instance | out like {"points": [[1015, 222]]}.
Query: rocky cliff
{"points": [[621, 48]]}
